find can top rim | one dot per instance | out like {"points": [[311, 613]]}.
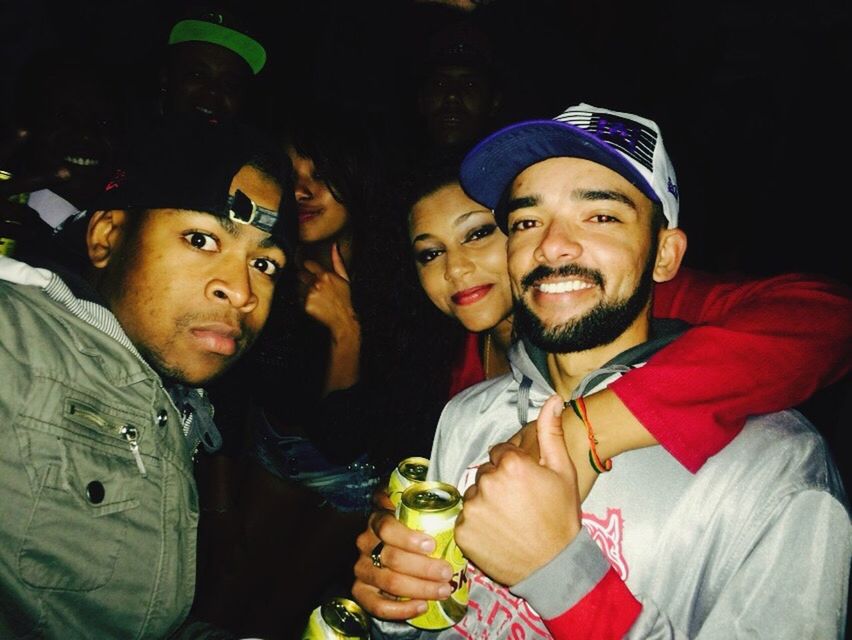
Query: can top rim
{"points": [[448, 496], [352, 620]]}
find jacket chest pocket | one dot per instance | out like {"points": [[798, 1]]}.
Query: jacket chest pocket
{"points": [[90, 481]]}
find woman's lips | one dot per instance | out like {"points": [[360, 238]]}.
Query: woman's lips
{"points": [[469, 296], [308, 214]]}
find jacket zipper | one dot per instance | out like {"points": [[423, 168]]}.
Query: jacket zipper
{"points": [[131, 434], [126, 431]]}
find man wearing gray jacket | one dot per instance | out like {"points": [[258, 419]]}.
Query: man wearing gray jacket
{"points": [[756, 543], [101, 403]]}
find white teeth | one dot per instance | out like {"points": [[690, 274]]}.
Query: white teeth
{"points": [[206, 112], [563, 287], [82, 162]]}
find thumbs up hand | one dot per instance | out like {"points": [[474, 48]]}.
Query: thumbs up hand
{"points": [[522, 511]]}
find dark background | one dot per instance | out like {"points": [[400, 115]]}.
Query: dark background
{"points": [[752, 98]]}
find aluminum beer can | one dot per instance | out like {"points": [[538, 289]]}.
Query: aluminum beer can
{"points": [[433, 507], [405, 474], [7, 240], [7, 246], [338, 619], [18, 198]]}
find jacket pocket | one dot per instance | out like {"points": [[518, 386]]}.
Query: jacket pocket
{"points": [[79, 519]]}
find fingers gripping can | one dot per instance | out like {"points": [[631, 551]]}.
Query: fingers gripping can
{"points": [[433, 507], [405, 474], [337, 619]]}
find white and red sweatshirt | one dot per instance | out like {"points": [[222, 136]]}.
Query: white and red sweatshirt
{"points": [[757, 542]]}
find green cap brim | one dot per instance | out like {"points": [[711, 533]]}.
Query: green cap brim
{"points": [[200, 31]]}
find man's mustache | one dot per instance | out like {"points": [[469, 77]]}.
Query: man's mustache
{"points": [[565, 271]]}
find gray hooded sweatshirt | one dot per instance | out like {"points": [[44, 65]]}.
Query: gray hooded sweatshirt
{"points": [[756, 544]]}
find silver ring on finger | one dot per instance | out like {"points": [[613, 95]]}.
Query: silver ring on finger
{"points": [[376, 555]]}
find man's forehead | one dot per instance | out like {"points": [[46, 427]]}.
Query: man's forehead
{"points": [[561, 172], [210, 55], [208, 220], [457, 71], [263, 238], [259, 187]]}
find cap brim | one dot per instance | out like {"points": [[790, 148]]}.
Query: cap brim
{"points": [[493, 164], [247, 48]]}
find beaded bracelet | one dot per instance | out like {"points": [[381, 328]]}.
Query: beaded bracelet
{"points": [[579, 407]]}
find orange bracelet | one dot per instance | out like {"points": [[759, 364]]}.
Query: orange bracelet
{"points": [[579, 407]]}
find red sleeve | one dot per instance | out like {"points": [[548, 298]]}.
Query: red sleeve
{"points": [[467, 369], [607, 611], [761, 346]]}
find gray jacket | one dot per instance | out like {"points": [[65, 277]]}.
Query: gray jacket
{"points": [[98, 504], [756, 544]]}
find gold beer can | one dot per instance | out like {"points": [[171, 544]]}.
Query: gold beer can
{"points": [[405, 474], [432, 507], [7, 247], [338, 619]]}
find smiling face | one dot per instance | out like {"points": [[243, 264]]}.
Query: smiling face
{"points": [[321, 216], [461, 258], [191, 290], [206, 80], [74, 124], [581, 256]]}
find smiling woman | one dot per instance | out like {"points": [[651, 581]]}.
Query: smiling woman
{"points": [[447, 249], [460, 255]]}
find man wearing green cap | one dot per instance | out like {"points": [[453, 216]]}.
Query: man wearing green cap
{"points": [[211, 61]]}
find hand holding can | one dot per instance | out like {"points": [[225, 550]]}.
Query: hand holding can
{"points": [[432, 507]]}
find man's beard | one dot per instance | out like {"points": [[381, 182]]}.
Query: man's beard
{"points": [[599, 326]]}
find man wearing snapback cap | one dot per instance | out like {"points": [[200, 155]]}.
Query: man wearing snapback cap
{"points": [[757, 542], [102, 407], [211, 61]]}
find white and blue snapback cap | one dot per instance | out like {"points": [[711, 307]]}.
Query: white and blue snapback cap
{"points": [[630, 145]]}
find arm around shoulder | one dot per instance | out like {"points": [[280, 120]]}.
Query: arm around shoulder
{"points": [[758, 346]]}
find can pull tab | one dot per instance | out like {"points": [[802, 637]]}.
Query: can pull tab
{"points": [[131, 434]]}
